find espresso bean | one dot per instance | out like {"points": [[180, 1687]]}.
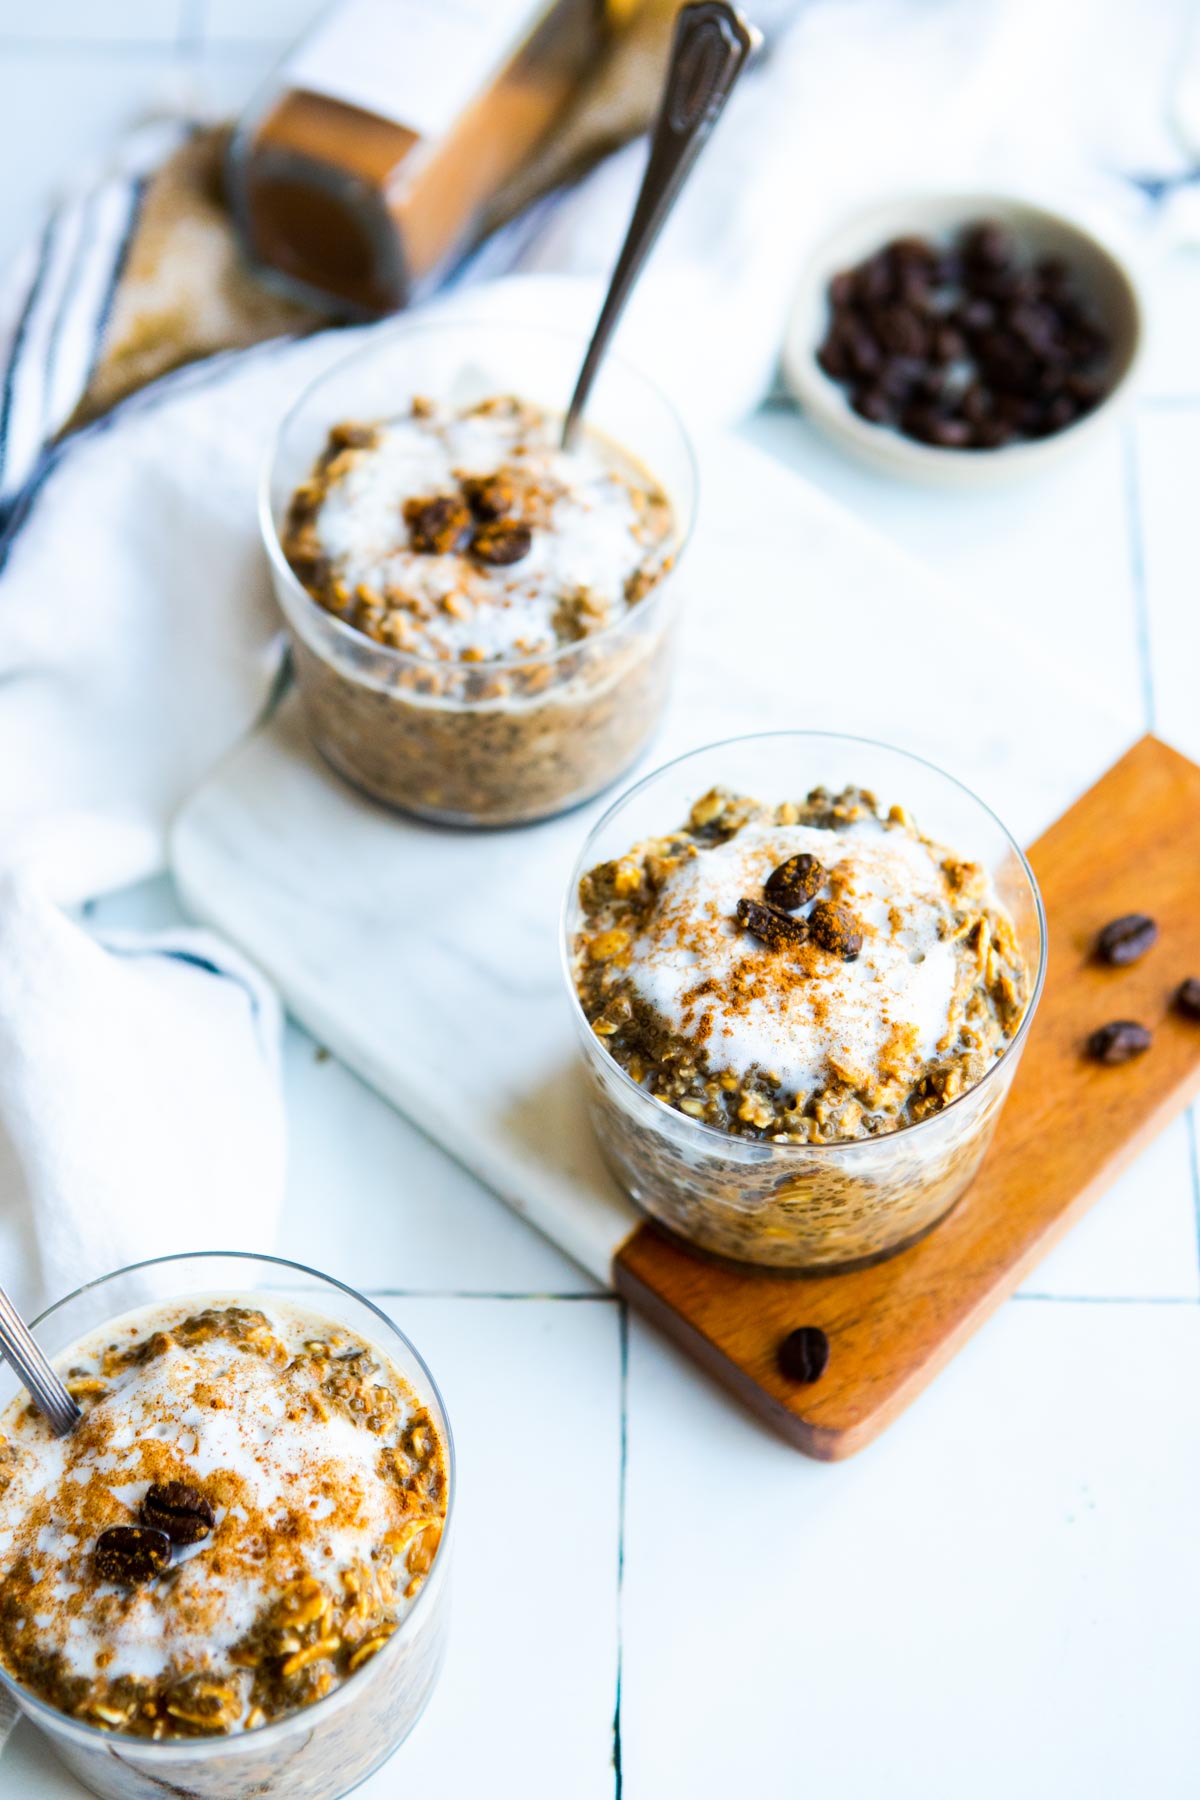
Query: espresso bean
{"points": [[804, 1354], [950, 433], [899, 375], [437, 526], [915, 252], [835, 928], [898, 330], [1125, 939], [987, 246], [1086, 390], [873, 281], [775, 927], [872, 404], [131, 1554], [1187, 998], [501, 542], [834, 356], [489, 496], [1119, 1042], [841, 290], [992, 434], [1061, 412], [795, 882], [949, 345], [862, 351], [974, 316], [913, 289], [179, 1510]]}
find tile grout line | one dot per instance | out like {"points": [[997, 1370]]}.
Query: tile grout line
{"points": [[481, 1294], [1141, 602], [1167, 402], [191, 31], [50, 47], [618, 1772], [1111, 1299], [1194, 1146], [1137, 570], [384, 1293]]}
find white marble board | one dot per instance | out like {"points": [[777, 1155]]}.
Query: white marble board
{"points": [[428, 959]]}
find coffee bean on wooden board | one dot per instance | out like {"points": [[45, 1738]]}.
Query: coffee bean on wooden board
{"points": [[131, 1554], [1186, 999], [1119, 1042], [804, 1354], [1124, 940]]}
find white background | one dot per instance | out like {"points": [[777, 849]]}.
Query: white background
{"points": [[999, 1598]]}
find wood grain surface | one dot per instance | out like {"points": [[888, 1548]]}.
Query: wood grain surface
{"points": [[1131, 844]]}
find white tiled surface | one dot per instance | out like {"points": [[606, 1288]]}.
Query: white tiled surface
{"points": [[1000, 1596]]}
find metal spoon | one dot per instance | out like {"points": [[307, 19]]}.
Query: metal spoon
{"points": [[34, 1372], [711, 47]]}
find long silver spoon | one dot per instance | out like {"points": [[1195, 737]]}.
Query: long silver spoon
{"points": [[711, 47], [34, 1372]]}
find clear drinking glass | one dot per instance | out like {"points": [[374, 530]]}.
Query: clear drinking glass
{"points": [[495, 743], [822, 1206], [323, 1750]]}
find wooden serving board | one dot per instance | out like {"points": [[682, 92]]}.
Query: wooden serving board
{"points": [[1132, 843]]}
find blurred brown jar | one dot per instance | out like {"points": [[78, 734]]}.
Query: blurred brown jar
{"points": [[388, 130]]}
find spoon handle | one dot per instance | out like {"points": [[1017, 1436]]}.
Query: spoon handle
{"points": [[34, 1372], [711, 47]]}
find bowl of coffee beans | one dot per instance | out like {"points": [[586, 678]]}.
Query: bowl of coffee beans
{"points": [[961, 339]]}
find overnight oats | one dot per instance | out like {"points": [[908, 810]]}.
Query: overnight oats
{"points": [[481, 621], [801, 1014], [226, 1562]]}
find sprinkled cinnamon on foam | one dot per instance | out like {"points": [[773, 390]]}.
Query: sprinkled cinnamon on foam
{"points": [[796, 1016]]}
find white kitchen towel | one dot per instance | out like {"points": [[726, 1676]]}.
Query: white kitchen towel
{"points": [[140, 1106], [55, 303]]}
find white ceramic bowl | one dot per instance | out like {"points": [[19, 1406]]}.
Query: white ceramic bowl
{"points": [[1105, 278]]}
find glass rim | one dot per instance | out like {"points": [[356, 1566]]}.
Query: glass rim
{"points": [[232, 1743], [405, 659], [839, 1146]]}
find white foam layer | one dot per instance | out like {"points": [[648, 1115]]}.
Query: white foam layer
{"points": [[839, 1018], [588, 544]]}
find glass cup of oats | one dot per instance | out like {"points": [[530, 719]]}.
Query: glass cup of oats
{"points": [[231, 1578], [481, 623], [802, 968]]}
